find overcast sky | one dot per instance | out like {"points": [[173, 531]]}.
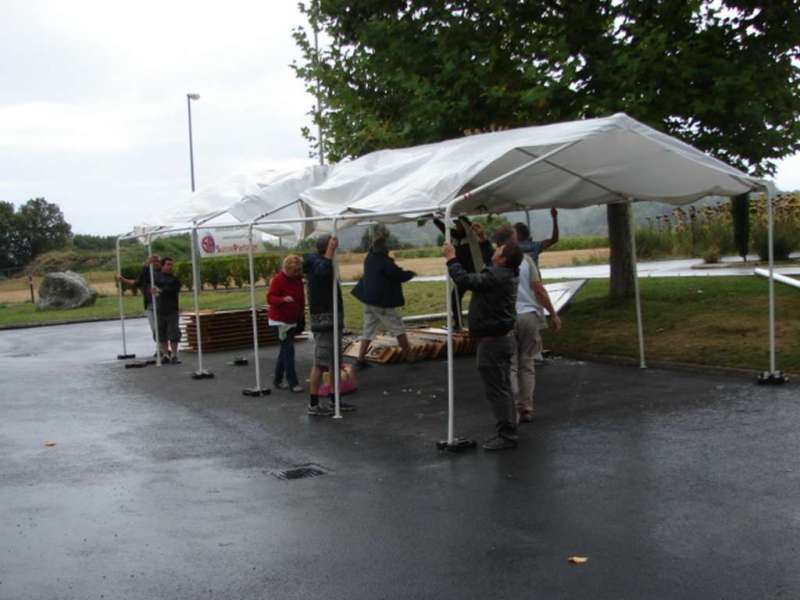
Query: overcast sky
{"points": [[93, 102]]}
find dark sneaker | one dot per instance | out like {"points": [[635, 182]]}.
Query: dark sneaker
{"points": [[281, 386], [525, 417], [318, 410], [499, 442], [174, 360]]}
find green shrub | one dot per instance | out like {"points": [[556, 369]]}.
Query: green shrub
{"points": [[131, 271], [651, 242], [266, 266], [214, 272], [183, 271], [240, 271]]}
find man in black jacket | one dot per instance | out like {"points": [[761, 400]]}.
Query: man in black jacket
{"points": [[491, 318], [380, 290], [168, 288], [319, 270]]}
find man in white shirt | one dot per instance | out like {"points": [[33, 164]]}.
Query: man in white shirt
{"points": [[532, 300]]}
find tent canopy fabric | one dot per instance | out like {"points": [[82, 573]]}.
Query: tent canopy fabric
{"points": [[611, 159], [245, 196]]}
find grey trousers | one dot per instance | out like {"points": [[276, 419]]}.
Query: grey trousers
{"points": [[528, 343], [494, 366]]}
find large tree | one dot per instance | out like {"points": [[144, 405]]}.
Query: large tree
{"points": [[36, 227], [720, 75]]}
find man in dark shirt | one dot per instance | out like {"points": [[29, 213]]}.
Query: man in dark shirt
{"points": [[492, 314], [168, 290]]}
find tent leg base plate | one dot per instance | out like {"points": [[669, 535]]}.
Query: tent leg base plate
{"points": [[774, 378], [457, 445], [202, 375], [255, 392], [125, 356]]}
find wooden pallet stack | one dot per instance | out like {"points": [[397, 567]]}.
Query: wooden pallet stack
{"points": [[426, 344], [226, 330]]}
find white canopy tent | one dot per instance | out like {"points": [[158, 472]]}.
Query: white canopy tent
{"points": [[565, 165]]}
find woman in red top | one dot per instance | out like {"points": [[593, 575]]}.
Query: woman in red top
{"points": [[286, 300]]}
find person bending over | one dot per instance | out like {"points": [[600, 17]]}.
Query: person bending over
{"points": [[534, 248], [168, 289], [491, 320], [286, 300], [319, 271], [381, 292]]}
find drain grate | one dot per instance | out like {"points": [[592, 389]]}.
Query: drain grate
{"points": [[300, 472]]}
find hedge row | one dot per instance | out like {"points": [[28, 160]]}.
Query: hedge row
{"points": [[227, 272]]}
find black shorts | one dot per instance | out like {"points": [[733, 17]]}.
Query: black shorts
{"points": [[169, 328]]}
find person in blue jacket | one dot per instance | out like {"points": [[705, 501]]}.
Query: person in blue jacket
{"points": [[381, 292]]}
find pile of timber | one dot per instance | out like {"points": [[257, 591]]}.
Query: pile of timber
{"points": [[426, 344], [226, 330]]}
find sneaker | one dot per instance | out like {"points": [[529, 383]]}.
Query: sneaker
{"points": [[174, 360], [525, 417], [499, 442], [297, 388], [282, 385], [318, 410], [345, 406]]}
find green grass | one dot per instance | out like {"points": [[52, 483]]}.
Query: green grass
{"points": [[421, 297], [720, 321]]}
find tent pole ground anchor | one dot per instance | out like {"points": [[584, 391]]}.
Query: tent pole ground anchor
{"points": [[457, 445], [204, 374], [255, 392], [773, 378], [137, 364], [125, 356]]}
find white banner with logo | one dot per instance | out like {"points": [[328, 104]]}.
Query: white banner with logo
{"points": [[225, 242]]}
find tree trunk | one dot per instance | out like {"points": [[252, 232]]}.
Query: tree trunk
{"points": [[740, 211], [620, 252]]}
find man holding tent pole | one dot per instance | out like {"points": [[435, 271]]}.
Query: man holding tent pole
{"points": [[319, 271], [491, 320]]}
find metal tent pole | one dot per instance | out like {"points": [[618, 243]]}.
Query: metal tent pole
{"points": [[335, 378], [774, 376], [124, 354], [153, 303], [201, 373], [258, 390], [639, 326]]}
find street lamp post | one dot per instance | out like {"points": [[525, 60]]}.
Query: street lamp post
{"points": [[189, 98]]}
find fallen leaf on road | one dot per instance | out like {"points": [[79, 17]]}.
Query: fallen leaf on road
{"points": [[578, 560], [49, 444]]}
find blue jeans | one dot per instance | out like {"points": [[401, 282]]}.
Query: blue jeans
{"points": [[286, 361]]}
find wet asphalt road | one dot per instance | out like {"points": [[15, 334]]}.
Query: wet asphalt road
{"points": [[674, 485]]}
